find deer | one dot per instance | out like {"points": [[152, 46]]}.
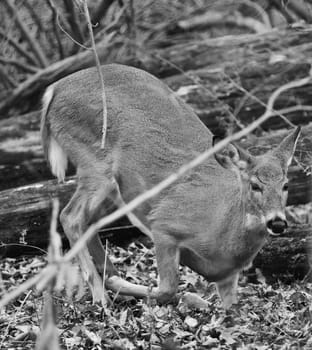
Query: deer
{"points": [[214, 219]]}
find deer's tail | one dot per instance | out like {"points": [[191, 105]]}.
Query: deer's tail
{"points": [[55, 155]]}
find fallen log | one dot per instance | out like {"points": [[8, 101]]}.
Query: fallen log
{"points": [[286, 43], [25, 219]]}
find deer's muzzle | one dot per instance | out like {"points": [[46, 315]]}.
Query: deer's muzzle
{"points": [[277, 224]]}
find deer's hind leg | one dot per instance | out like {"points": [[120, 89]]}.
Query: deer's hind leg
{"points": [[75, 218]]}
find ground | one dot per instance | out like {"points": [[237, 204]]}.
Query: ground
{"points": [[267, 316]]}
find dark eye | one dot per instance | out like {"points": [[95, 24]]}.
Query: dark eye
{"points": [[255, 187], [285, 187]]}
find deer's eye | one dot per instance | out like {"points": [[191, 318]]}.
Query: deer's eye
{"points": [[255, 187], [285, 187]]}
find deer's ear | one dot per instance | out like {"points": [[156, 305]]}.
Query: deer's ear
{"points": [[284, 152], [232, 156]]}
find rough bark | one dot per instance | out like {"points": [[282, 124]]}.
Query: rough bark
{"points": [[25, 217]]}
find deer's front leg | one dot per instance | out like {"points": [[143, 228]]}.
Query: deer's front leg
{"points": [[227, 290], [168, 258]]}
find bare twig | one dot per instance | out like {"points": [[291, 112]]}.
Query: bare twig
{"points": [[50, 271], [49, 331], [101, 78], [55, 240], [35, 46], [18, 47], [249, 94], [197, 81], [25, 67], [73, 21], [260, 10], [79, 45], [56, 26]]}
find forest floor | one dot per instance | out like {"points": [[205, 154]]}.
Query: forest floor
{"points": [[267, 316]]}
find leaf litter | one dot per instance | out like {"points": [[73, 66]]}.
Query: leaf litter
{"points": [[267, 316]]}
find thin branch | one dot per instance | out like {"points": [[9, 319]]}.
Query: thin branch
{"points": [[55, 245], [255, 98], [18, 47], [56, 26], [25, 67], [79, 45], [35, 46], [51, 270], [260, 10], [197, 81], [98, 66], [73, 21]]}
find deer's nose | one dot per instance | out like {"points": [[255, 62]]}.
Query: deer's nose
{"points": [[277, 224]]}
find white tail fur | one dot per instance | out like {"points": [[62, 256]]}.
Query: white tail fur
{"points": [[55, 155], [58, 160]]}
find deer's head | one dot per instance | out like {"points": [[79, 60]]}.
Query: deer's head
{"points": [[264, 181]]}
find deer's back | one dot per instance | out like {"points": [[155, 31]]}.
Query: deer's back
{"points": [[151, 132]]}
